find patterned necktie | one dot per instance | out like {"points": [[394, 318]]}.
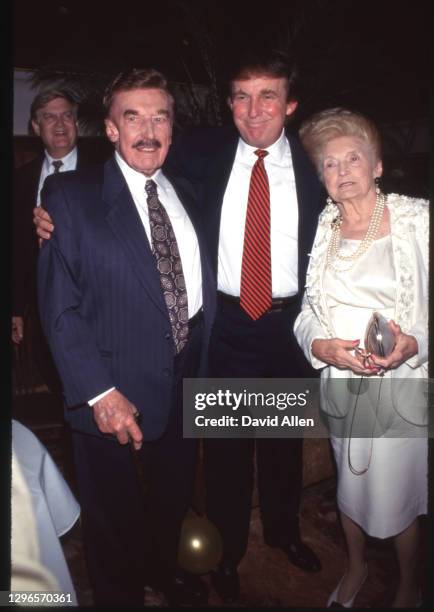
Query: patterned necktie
{"points": [[169, 265], [57, 164], [255, 293]]}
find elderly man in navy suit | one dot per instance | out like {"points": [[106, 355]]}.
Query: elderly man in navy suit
{"points": [[126, 299]]}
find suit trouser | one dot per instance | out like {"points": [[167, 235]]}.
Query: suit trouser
{"points": [[131, 532], [42, 354], [47, 369], [242, 348]]}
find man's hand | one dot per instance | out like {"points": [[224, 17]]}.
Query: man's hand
{"points": [[114, 414], [43, 222], [337, 352], [405, 347], [17, 329]]}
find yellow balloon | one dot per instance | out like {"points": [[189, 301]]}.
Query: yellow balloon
{"points": [[200, 545]]}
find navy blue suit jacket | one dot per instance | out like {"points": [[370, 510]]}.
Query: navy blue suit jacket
{"points": [[25, 240], [100, 297], [206, 157]]}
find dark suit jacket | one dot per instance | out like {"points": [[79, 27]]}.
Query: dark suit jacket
{"points": [[206, 158], [25, 242], [100, 298]]}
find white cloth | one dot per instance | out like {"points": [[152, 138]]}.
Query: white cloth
{"points": [[408, 259], [96, 399], [393, 492], [69, 162], [55, 507], [283, 219], [27, 571], [409, 223]]}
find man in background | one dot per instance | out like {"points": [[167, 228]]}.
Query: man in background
{"points": [[53, 115]]}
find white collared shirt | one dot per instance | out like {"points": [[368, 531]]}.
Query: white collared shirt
{"points": [[283, 219], [182, 226], [69, 163], [184, 231]]}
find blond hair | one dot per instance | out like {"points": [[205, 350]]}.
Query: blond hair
{"points": [[322, 127]]}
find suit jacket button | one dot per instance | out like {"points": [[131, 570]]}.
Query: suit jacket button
{"points": [[167, 336], [166, 372]]}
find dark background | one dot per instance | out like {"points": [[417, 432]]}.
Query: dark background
{"points": [[372, 56], [375, 55]]}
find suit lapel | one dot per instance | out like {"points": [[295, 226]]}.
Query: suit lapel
{"points": [[188, 198], [126, 225], [81, 159], [308, 195], [34, 174], [213, 194]]}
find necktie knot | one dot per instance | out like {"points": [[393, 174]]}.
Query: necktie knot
{"points": [[151, 188], [57, 164], [261, 153]]}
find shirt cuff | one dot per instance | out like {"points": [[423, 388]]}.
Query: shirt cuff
{"points": [[316, 363], [96, 399]]}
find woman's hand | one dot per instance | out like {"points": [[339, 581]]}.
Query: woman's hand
{"points": [[405, 347], [338, 353]]}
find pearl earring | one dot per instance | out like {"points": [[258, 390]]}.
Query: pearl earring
{"points": [[377, 185]]}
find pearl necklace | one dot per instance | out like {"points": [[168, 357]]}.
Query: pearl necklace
{"points": [[333, 255]]}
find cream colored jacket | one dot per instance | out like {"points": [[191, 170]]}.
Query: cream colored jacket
{"points": [[409, 222]]}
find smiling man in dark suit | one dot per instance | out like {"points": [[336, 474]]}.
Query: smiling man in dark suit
{"points": [[127, 302], [260, 198], [54, 119], [53, 115]]}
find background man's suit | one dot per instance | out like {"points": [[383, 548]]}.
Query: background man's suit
{"points": [[25, 255], [241, 348], [107, 324]]}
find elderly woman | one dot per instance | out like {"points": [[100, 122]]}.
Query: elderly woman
{"points": [[370, 255]]}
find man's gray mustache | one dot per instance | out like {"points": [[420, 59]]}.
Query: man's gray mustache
{"points": [[147, 143]]}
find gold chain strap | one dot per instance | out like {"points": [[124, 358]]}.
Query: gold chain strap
{"points": [[350, 465]]}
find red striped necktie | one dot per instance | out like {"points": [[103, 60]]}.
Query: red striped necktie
{"points": [[255, 293]]}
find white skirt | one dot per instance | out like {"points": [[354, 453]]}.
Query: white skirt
{"points": [[393, 492]]}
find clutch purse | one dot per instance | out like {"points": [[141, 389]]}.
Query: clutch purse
{"points": [[379, 339]]}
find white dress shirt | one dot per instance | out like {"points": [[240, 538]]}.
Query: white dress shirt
{"points": [[183, 228], [69, 163], [283, 219]]}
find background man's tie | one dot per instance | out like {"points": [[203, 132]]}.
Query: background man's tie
{"points": [[255, 293], [57, 164], [169, 265]]}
